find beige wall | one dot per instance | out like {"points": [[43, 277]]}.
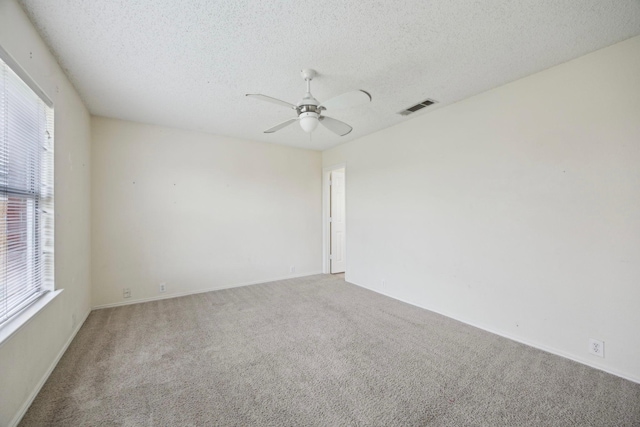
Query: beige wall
{"points": [[517, 210], [198, 211], [29, 354]]}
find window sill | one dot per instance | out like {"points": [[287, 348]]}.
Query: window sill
{"points": [[14, 325]]}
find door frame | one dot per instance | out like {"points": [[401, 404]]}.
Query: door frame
{"points": [[326, 213]]}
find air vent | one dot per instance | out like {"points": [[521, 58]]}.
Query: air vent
{"points": [[417, 107]]}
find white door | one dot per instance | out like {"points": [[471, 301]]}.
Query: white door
{"points": [[337, 224]]}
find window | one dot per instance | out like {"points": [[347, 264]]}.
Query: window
{"points": [[26, 191]]}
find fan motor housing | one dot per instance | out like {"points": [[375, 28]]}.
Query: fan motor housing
{"points": [[302, 109]]}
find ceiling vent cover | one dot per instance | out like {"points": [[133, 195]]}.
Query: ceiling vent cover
{"points": [[417, 107]]}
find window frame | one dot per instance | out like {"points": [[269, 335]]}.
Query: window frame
{"points": [[26, 310]]}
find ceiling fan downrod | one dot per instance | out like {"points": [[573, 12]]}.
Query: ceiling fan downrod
{"points": [[308, 110]]}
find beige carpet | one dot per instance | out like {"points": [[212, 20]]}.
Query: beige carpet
{"points": [[314, 351]]}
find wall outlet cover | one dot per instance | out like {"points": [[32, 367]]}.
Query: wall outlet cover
{"points": [[596, 347]]}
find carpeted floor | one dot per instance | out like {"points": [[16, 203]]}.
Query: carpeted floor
{"points": [[314, 351]]}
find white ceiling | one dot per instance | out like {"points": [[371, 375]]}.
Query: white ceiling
{"points": [[188, 63]]}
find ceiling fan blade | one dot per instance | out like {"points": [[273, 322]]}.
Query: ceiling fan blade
{"points": [[271, 99], [347, 100], [335, 126], [280, 126]]}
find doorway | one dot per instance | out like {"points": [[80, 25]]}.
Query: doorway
{"points": [[334, 220]]}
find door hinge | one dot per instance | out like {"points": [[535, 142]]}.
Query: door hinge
{"points": [[330, 256], [330, 182], [330, 219]]}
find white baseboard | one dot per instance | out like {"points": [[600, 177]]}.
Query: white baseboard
{"points": [[200, 291], [25, 406], [539, 346]]}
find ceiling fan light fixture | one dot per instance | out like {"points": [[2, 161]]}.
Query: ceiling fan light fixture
{"points": [[308, 121], [309, 111]]}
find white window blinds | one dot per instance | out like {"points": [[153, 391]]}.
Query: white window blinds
{"points": [[26, 192]]}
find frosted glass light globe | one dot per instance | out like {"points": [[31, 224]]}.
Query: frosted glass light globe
{"points": [[309, 122]]}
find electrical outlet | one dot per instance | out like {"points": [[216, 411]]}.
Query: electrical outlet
{"points": [[163, 287], [382, 282], [596, 347], [126, 293], [292, 269]]}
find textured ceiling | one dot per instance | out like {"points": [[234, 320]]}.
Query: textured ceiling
{"points": [[188, 63]]}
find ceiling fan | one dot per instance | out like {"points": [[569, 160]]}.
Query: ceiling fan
{"points": [[310, 112]]}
